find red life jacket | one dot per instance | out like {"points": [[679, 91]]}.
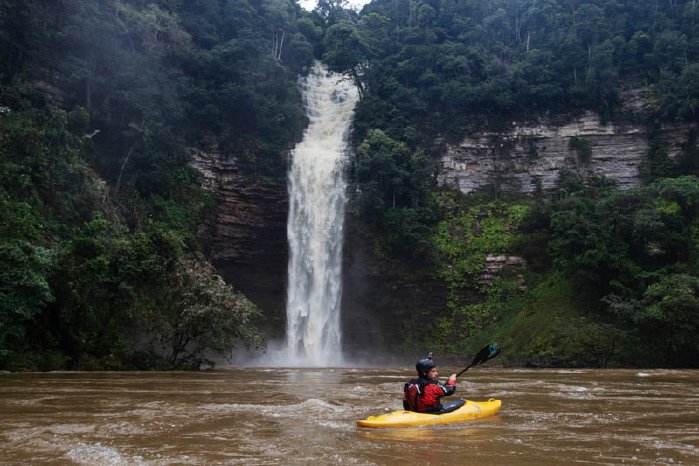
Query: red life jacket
{"points": [[414, 392]]}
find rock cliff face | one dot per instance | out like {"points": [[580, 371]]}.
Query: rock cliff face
{"points": [[530, 157], [246, 235], [384, 303]]}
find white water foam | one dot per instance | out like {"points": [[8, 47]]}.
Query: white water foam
{"points": [[84, 453], [317, 190]]}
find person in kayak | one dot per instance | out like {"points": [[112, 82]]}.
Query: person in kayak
{"points": [[423, 394]]}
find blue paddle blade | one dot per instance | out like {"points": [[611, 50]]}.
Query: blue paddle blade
{"points": [[492, 352], [486, 353]]}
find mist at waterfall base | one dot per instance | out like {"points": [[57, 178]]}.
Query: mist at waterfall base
{"points": [[317, 195], [276, 355]]}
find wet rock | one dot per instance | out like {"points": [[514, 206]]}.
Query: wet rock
{"points": [[246, 235]]}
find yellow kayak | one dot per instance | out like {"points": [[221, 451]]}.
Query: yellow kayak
{"points": [[470, 410]]}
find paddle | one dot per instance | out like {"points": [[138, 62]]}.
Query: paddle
{"points": [[486, 353]]}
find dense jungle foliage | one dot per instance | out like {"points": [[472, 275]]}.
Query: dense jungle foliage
{"points": [[101, 266], [102, 100], [601, 261]]}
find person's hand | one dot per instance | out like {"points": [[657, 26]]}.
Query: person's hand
{"points": [[452, 379]]}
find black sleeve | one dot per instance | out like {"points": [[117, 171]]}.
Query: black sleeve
{"points": [[448, 389]]}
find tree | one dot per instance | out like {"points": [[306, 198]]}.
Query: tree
{"points": [[347, 50], [200, 314], [277, 14], [680, 94], [381, 172], [333, 11], [669, 319], [24, 292]]}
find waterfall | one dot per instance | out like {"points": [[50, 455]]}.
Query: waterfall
{"points": [[317, 186]]}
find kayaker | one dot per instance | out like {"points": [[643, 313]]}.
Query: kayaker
{"points": [[423, 394]]}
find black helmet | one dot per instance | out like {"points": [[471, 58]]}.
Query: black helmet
{"points": [[424, 365]]}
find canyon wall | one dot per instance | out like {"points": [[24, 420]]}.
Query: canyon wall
{"points": [[385, 301], [246, 234], [527, 157], [246, 240]]}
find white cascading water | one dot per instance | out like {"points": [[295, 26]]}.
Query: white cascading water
{"points": [[317, 188]]}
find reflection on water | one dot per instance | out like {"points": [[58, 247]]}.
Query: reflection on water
{"points": [[307, 416]]}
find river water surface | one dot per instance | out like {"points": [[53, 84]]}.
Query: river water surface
{"points": [[307, 416]]}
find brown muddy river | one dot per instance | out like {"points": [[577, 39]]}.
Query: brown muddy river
{"points": [[307, 416]]}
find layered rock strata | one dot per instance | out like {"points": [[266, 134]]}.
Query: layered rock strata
{"points": [[246, 234], [383, 303], [530, 157], [495, 265]]}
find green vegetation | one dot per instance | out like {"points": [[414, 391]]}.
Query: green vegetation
{"points": [[443, 67], [432, 71], [582, 148], [463, 241], [612, 276], [394, 183], [77, 283], [102, 101], [598, 260]]}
